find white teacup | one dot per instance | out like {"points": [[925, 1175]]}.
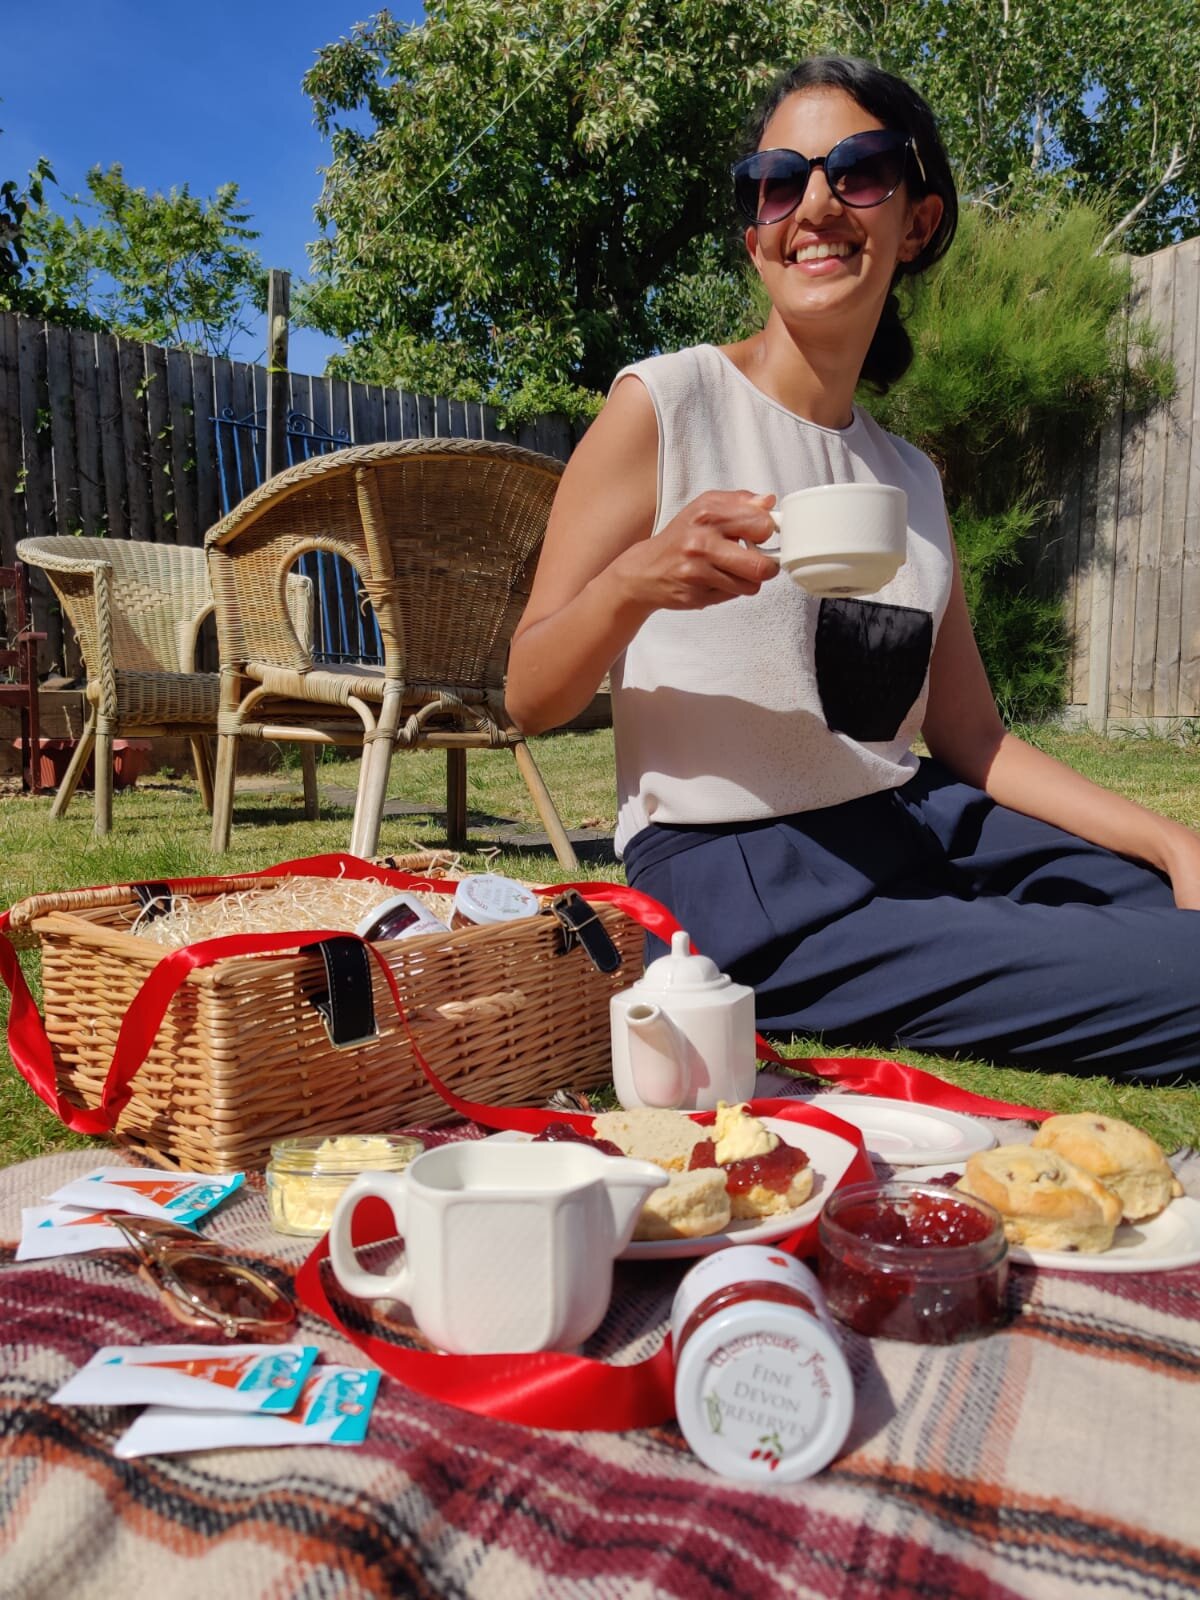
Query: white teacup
{"points": [[843, 538], [507, 1247]]}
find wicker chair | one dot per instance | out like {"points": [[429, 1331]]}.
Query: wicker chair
{"points": [[138, 609], [442, 535]]}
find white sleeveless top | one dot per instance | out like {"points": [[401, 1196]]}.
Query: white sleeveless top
{"points": [[719, 714]]}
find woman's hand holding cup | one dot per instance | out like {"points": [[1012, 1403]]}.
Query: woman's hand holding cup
{"points": [[705, 554]]}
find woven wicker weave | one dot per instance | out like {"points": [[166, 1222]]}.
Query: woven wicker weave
{"points": [[443, 535], [502, 1014], [138, 609]]}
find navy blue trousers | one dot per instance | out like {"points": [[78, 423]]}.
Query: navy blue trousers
{"points": [[929, 917]]}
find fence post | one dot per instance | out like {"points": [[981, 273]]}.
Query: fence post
{"points": [[278, 297]]}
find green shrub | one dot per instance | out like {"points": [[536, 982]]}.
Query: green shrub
{"points": [[1022, 351]]}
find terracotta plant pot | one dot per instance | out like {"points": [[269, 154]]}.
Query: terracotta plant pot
{"points": [[131, 760]]}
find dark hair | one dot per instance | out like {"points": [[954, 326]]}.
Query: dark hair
{"points": [[897, 105]]}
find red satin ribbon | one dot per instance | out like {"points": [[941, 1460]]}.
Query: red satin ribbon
{"points": [[33, 1057], [549, 1390]]}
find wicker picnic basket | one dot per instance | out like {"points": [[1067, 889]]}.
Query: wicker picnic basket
{"points": [[506, 1015]]}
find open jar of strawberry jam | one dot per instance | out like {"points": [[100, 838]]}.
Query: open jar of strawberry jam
{"points": [[913, 1261]]}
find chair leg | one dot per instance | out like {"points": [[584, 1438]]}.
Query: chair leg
{"points": [[456, 799], [551, 821], [79, 760], [203, 762], [226, 777], [103, 766], [308, 771], [373, 777]]}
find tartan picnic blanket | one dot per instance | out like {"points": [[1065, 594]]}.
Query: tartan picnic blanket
{"points": [[1058, 1457]]}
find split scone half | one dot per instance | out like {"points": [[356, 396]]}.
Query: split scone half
{"points": [[1047, 1203], [1118, 1155]]}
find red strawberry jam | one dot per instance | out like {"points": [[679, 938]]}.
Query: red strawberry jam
{"points": [[773, 1171], [557, 1132], [910, 1261]]}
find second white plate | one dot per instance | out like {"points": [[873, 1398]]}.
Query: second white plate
{"points": [[907, 1135], [829, 1157]]}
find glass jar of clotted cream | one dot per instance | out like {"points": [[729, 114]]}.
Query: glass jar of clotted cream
{"points": [[307, 1175], [762, 1389]]}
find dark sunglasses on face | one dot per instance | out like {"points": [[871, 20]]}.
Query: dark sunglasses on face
{"points": [[863, 170]]}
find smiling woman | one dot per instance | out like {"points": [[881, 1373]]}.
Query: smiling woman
{"points": [[987, 900]]}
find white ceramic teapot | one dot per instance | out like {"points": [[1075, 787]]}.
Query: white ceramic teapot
{"points": [[683, 1035]]}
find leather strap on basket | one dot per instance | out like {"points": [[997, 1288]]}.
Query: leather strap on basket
{"points": [[33, 1056]]}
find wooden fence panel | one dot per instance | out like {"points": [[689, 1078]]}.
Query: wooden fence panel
{"points": [[1158, 276], [12, 468], [87, 432], [112, 455], [135, 438], [181, 421]]}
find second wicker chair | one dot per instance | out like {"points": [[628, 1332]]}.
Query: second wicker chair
{"points": [[443, 535]]}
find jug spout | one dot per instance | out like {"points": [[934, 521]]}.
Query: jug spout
{"points": [[656, 1057], [628, 1182]]}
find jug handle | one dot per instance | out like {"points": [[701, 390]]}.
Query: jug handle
{"points": [[353, 1278]]}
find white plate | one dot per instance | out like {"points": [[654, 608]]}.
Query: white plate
{"points": [[829, 1157], [1171, 1239], [908, 1135]]}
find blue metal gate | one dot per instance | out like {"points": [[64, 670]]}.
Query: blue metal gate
{"points": [[344, 623]]}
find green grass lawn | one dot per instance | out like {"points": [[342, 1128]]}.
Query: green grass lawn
{"points": [[160, 831]]}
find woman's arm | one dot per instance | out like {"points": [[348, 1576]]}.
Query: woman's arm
{"points": [[601, 575], [963, 729]]}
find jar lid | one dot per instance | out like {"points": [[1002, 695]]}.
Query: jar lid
{"points": [[344, 1155], [486, 898], [763, 1393]]}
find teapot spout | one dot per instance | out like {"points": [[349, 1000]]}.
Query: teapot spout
{"points": [[628, 1182], [656, 1057]]}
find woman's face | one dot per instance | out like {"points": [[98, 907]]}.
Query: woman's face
{"points": [[827, 260]]}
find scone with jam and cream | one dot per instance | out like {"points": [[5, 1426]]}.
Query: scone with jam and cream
{"points": [[760, 1174], [763, 1175]]}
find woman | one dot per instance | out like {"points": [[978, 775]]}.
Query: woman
{"points": [[988, 901]]}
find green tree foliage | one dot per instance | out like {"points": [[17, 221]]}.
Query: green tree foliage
{"points": [[19, 290], [524, 194], [1041, 99], [543, 191], [176, 269], [1021, 352]]}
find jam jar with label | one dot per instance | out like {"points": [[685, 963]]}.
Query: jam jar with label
{"points": [[914, 1261], [762, 1389]]}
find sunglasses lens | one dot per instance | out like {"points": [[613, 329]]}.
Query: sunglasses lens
{"points": [[769, 186], [866, 168], [229, 1293]]}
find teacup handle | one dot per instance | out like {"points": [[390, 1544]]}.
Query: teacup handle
{"points": [[354, 1279], [776, 521]]}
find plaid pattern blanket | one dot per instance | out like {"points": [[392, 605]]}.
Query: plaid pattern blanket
{"points": [[1058, 1458]]}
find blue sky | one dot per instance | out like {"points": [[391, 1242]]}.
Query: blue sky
{"points": [[179, 93]]}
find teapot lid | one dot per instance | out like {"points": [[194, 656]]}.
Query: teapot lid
{"points": [[682, 970]]}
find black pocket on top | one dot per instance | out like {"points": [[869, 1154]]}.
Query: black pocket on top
{"points": [[871, 663]]}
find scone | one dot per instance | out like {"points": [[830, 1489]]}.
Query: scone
{"points": [[760, 1201], [689, 1206], [1122, 1157], [665, 1137], [1046, 1202]]}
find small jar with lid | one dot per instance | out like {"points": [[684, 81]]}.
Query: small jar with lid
{"points": [[307, 1176], [486, 898], [915, 1261], [762, 1388]]}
